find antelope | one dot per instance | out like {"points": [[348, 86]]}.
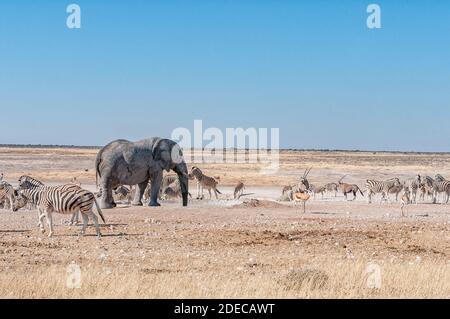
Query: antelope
{"points": [[239, 190], [301, 197], [303, 184], [405, 199], [349, 188]]}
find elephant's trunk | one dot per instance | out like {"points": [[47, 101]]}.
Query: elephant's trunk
{"points": [[181, 171]]}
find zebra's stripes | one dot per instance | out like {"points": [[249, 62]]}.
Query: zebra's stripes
{"points": [[54, 199], [28, 182], [441, 186], [6, 193], [413, 185], [383, 187], [203, 181]]}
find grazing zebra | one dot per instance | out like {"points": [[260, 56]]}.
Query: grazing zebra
{"points": [[49, 200], [413, 185], [238, 190], [204, 181], [166, 181], [6, 193], [383, 187], [439, 178], [332, 187]]}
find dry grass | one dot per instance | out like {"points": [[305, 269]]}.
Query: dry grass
{"points": [[347, 279], [259, 249]]}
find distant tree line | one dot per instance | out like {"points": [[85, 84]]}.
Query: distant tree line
{"points": [[225, 149]]}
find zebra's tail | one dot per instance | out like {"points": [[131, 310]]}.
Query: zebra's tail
{"points": [[99, 210], [218, 191], [362, 194]]}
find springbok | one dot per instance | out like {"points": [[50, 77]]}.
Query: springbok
{"points": [[301, 197], [405, 199]]}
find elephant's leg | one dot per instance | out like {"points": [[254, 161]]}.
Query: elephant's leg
{"points": [[156, 184], [106, 200], [140, 189]]}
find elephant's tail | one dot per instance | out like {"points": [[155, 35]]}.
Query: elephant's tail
{"points": [[99, 211], [97, 170]]}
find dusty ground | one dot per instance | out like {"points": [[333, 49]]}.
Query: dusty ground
{"points": [[230, 248]]}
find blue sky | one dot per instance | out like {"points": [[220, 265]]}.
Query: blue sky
{"points": [[311, 68]]}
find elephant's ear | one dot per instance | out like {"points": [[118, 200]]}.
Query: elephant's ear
{"points": [[161, 154]]}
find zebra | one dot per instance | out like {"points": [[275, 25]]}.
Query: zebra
{"points": [[426, 187], [166, 181], [383, 187], [413, 185], [203, 181], [441, 186], [332, 187], [53, 199], [439, 178], [287, 189], [173, 190], [238, 190], [28, 182], [316, 190], [6, 193], [396, 189]]}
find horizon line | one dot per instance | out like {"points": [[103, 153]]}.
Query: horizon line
{"points": [[69, 146]]}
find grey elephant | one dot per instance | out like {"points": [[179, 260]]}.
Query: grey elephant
{"points": [[122, 162]]}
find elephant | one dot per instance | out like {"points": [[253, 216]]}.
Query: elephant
{"points": [[122, 162]]}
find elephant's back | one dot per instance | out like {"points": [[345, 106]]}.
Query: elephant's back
{"points": [[109, 152]]}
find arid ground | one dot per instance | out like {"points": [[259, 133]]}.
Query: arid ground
{"points": [[255, 247]]}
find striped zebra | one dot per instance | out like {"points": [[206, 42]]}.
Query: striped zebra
{"points": [[6, 193], [413, 185], [204, 181], [54, 199], [332, 187], [426, 187], [383, 187], [28, 182], [441, 185]]}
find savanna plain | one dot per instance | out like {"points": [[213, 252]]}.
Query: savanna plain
{"points": [[254, 247]]}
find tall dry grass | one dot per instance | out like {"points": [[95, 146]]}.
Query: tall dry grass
{"points": [[328, 279]]}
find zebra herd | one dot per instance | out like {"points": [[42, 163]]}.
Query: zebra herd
{"points": [[424, 186], [73, 199]]}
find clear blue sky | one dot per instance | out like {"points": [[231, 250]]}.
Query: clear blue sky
{"points": [[311, 68]]}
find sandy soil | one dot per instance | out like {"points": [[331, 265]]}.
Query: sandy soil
{"points": [[234, 248]]}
